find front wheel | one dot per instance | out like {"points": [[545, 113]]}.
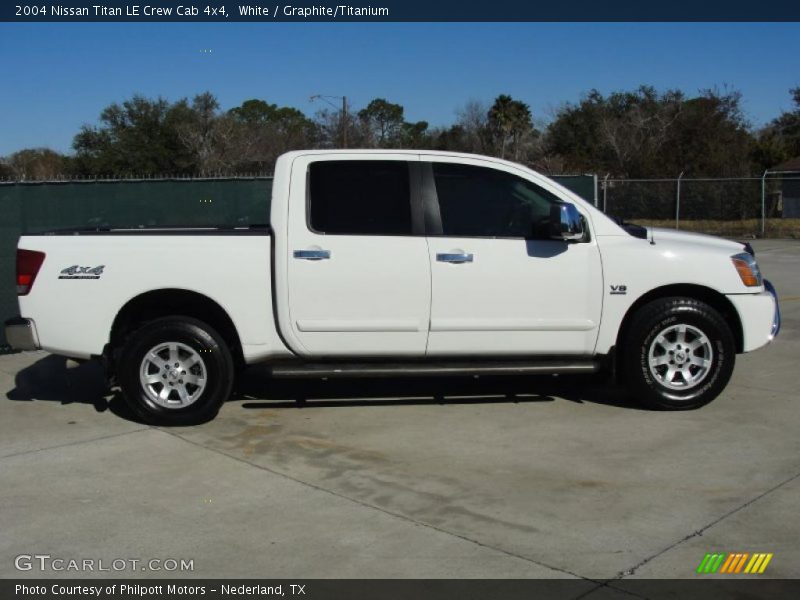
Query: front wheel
{"points": [[679, 354], [175, 371]]}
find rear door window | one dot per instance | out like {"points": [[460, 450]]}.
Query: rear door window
{"points": [[360, 197]]}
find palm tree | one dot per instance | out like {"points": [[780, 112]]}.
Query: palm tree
{"points": [[509, 121]]}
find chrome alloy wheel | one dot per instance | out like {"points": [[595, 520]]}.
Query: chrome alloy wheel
{"points": [[680, 357], [173, 375]]}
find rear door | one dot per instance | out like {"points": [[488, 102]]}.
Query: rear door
{"points": [[500, 286], [358, 270]]}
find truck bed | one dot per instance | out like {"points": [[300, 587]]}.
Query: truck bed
{"points": [[230, 266]]}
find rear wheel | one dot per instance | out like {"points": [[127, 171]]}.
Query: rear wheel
{"points": [[176, 371], [679, 354]]}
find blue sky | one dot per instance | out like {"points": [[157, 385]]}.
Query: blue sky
{"points": [[56, 77]]}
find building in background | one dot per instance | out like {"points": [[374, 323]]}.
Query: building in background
{"points": [[789, 174]]}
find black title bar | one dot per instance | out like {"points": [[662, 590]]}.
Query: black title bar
{"points": [[383, 589], [69, 11]]}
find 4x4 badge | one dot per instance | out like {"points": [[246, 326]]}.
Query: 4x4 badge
{"points": [[78, 272]]}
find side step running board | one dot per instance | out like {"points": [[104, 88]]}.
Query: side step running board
{"points": [[418, 369]]}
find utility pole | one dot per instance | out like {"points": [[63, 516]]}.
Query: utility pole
{"points": [[344, 121], [327, 99]]}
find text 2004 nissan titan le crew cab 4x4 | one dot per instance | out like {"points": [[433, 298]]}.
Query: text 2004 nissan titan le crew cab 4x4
{"points": [[379, 263]]}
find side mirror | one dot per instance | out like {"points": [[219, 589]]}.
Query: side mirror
{"points": [[566, 222]]}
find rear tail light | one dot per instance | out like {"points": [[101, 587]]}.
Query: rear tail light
{"points": [[28, 264]]}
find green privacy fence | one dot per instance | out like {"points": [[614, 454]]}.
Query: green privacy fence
{"points": [[583, 185], [32, 207], [36, 207]]}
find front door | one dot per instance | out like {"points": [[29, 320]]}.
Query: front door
{"points": [[358, 271], [500, 286]]}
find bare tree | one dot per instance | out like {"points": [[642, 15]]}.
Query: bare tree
{"points": [[34, 164]]}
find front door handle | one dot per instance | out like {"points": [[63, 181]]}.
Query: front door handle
{"points": [[312, 254], [454, 257]]}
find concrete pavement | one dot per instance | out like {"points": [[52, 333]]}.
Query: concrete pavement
{"points": [[453, 478]]}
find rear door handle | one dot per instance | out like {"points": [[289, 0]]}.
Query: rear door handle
{"points": [[312, 254], [454, 257]]}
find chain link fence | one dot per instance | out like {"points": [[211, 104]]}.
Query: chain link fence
{"points": [[766, 206]]}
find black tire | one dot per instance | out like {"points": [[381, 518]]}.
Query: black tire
{"points": [[717, 352], [216, 370]]}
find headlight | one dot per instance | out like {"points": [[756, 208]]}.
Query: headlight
{"points": [[748, 270]]}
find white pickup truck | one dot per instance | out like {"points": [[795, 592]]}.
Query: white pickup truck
{"points": [[386, 263]]}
